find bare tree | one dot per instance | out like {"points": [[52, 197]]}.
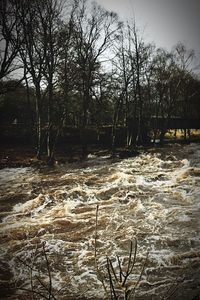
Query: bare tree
{"points": [[67, 73], [33, 56], [39, 25], [161, 76], [122, 64], [184, 58], [9, 41], [94, 34], [167, 88], [50, 23], [140, 57]]}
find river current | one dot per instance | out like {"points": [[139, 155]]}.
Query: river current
{"points": [[51, 231]]}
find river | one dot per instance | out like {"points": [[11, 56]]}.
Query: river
{"points": [[51, 231]]}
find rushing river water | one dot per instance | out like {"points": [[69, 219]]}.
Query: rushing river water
{"points": [[154, 198]]}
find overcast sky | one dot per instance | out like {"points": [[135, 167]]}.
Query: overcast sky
{"points": [[164, 21]]}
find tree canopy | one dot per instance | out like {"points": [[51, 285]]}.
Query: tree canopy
{"points": [[82, 67]]}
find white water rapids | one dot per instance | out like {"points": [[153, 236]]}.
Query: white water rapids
{"points": [[154, 197]]}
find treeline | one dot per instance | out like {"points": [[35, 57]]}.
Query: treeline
{"points": [[80, 66]]}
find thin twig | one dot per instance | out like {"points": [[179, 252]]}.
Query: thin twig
{"points": [[112, 289], [48, 270], [139, 279], [95, 254], [120, 269], [171, 291], [48, 288], [31, 272], [95, 238], [112, 268], [135, 255], [35, 292]]}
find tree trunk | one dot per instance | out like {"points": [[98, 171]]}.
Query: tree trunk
{"points": [[83, 134], [50, 138], [38, 122]]}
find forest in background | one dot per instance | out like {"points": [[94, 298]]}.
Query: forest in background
{"points": [[74, 69]]}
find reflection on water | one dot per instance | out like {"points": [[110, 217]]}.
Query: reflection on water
{"points": [[153, 197]]}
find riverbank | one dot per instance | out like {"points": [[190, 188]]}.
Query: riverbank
{"points": [[18, 156], [13, 154]]}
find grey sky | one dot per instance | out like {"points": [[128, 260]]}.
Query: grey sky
{"points": [[164, 21]]}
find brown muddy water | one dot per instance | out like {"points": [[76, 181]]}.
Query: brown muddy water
{"points": [[154, 198]]}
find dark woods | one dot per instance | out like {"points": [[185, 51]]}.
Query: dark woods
{"points": [[79, 71]]}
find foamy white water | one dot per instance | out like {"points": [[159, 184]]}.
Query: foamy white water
{"points": [[154, 197]]}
